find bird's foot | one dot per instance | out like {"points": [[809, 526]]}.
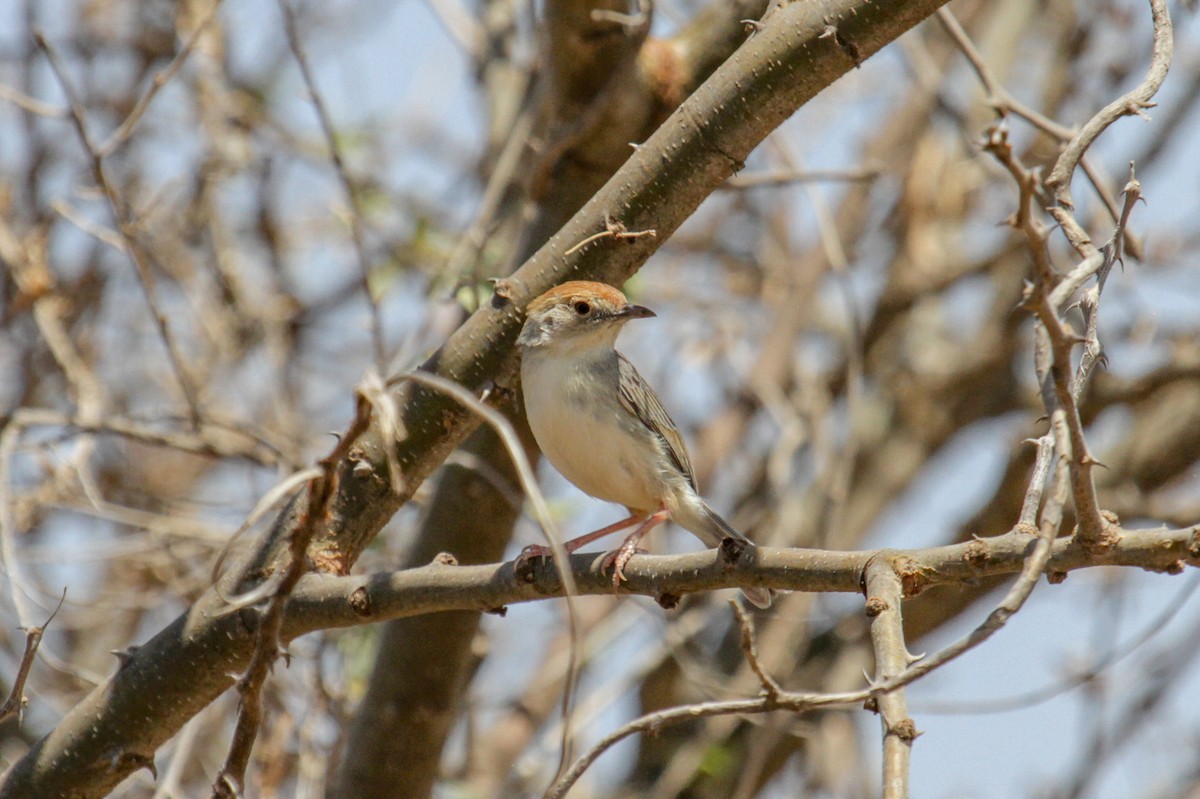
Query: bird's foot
{"points": [[532, 552], [619, 557]]}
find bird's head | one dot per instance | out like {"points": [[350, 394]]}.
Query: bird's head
{"points": [[578, 314]]}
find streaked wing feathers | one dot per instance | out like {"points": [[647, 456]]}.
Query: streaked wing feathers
{"points": [[641, 401]]}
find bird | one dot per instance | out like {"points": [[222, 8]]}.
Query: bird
{"points": [[601, 425]]}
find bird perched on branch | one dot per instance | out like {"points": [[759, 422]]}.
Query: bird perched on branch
{"points": [[603, 427]]}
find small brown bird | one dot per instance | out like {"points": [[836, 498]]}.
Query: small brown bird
{"points": [[603, 427]]}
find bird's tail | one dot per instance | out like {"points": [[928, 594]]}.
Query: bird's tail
{"points": [[759, 597]]}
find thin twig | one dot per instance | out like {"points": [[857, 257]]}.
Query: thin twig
{"points": [[126, 128], [206, 440], [277, 494], [615, 229], [1005, 104], [230, 781], [884, 597], [16, 702], [750, 650], [541, 508], [998, 97], [12, 567], [1134, 102], [140, 262], [788, 177], [1080, 677], [31, 104], [339, 166], [463, 27]]}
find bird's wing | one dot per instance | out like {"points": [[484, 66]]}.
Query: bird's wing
{"points": [[641, 401]]}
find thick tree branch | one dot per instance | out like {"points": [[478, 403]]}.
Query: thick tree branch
{"points": [[323, 601]]}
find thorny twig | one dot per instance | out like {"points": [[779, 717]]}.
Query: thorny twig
{"points": [[357, 233], [1004, 103], [1134, 102], [1044, 296], [125, 129], [884, 594], [230, 781], [16, 702], [617, 230]]}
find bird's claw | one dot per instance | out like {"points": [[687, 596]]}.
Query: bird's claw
{"points": [[618, 558], [532, 552]]}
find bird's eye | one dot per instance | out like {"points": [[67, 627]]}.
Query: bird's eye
{"points": [[582, 308]]}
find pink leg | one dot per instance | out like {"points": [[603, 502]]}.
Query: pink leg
{"points": [[538, 551], [629, 547]]}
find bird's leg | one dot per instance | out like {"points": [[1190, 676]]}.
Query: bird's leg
{"points": [[538, 551], [629, 547]]}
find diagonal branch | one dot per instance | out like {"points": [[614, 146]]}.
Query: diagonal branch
{"points": [[1134, 102]]}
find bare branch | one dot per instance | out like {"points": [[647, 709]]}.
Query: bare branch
{"points": [[357, 234], [1134, 102], [16, 702], [230, 781], [325, 601], [126, 128], [140, 261], [884, 596]]}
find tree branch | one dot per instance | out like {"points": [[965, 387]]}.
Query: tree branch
{"points": [[323, 601], [884, 592]]}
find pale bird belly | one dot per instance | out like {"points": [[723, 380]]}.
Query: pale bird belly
{"points": [[591, 449]]}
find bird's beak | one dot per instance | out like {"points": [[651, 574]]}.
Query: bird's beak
{"points": [[634, 312]]}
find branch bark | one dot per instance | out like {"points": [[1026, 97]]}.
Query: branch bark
{"points": [[323, 601]]}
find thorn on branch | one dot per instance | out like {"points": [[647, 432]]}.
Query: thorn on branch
{"points": [[123, 656], [613, 228], [1137, 108], [845, 45]]}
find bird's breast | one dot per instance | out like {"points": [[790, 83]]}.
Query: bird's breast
{"points": [[587, 435]]}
